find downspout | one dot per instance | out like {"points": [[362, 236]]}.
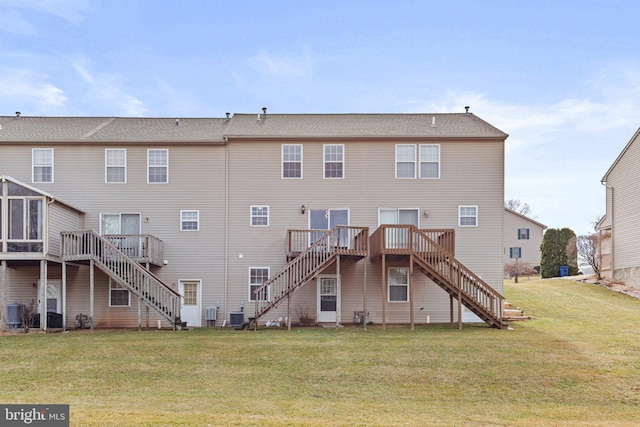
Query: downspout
{"points": [[226, 227], [603, 182]]}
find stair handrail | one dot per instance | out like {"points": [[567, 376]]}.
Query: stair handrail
{"points": [[298, 271], [471, 287], [88, 244]]}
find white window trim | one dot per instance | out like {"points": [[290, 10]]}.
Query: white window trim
{"points": [[414, 161], [460, 216], [282, 161], [119, 288], [389, 285], [182, 221], [33, 165], [107, 166], [420, 161], [149, 150], [526, 235], [254, 284], [324, 161], [251, 216], [511, 252]]}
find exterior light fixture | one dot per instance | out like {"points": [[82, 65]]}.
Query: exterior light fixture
{"points": [[303, 209]]}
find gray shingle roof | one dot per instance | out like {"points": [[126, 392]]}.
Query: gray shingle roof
{"points": [[105, 129], [361, 125], [111, 129]]}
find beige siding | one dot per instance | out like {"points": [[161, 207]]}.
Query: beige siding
{"points": [[196, 182], [472, 174], [623, 208], [61, 218]]}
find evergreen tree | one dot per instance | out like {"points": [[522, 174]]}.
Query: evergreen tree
{"points": [[554, 252]]}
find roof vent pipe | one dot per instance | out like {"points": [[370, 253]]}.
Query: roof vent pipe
{"points": [[177, 122], [264, 111], [466, 110], [18, 114], [228, 116], [433, 121]]}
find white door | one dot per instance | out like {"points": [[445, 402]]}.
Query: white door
{"points": [[327, 299], [190, 307], [398, 238], [326, 219]]}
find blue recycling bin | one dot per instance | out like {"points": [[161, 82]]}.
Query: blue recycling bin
{"points": [[564, 270]]}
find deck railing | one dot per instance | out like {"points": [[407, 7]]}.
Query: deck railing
{"points": [[317, 255], [89, 245]]}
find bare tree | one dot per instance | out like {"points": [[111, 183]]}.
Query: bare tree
{"points": [[517, 206], [516, 269], [587, 247]]}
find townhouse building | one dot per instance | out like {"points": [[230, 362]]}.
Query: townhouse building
{"points": [[327, 218]]}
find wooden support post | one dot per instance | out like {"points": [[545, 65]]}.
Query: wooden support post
{"points": [[364, 288], [411, 292], [384, 291], [451, 310], [64, 295], [459, 309], [91, 292], [288, 311], [3, 296], [338, 291], [43, 294]]}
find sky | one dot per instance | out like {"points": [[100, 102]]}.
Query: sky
{"points": [[562, 78]]}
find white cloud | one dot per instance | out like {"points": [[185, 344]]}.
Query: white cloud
{"points": [[21, 87], [69, 10], [108, 88], [12, 22], [283, 65]]}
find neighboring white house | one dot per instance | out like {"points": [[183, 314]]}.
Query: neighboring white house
{"points": [[522, 237], [620, 228]]}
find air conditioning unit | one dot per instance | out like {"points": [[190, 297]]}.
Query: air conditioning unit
{"points": [[236, 319], [211, 314]]}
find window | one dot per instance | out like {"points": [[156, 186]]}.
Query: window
{"points": [[523, 234], [515, 252], [120, 223], [429, 161], [257, 276], [398, 280], [468, 216], [115, 166], [158, 166], [405, 161], [118, 295], [333, 161], [189, 220], [42, 161], [291, 161], [259, 216], [25, 225], [190, 293]]}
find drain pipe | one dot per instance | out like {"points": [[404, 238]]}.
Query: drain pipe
{"points": [[226, 228], [610, 187]]}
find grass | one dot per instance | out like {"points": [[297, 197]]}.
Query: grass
{"points": [[575, 363]]}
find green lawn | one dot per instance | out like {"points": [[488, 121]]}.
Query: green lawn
{"points": [[577, 362]]}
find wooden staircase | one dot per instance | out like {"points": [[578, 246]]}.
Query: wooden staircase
{"points": [[459, 282], [89, 245], [339, 241], [442, 268]]}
